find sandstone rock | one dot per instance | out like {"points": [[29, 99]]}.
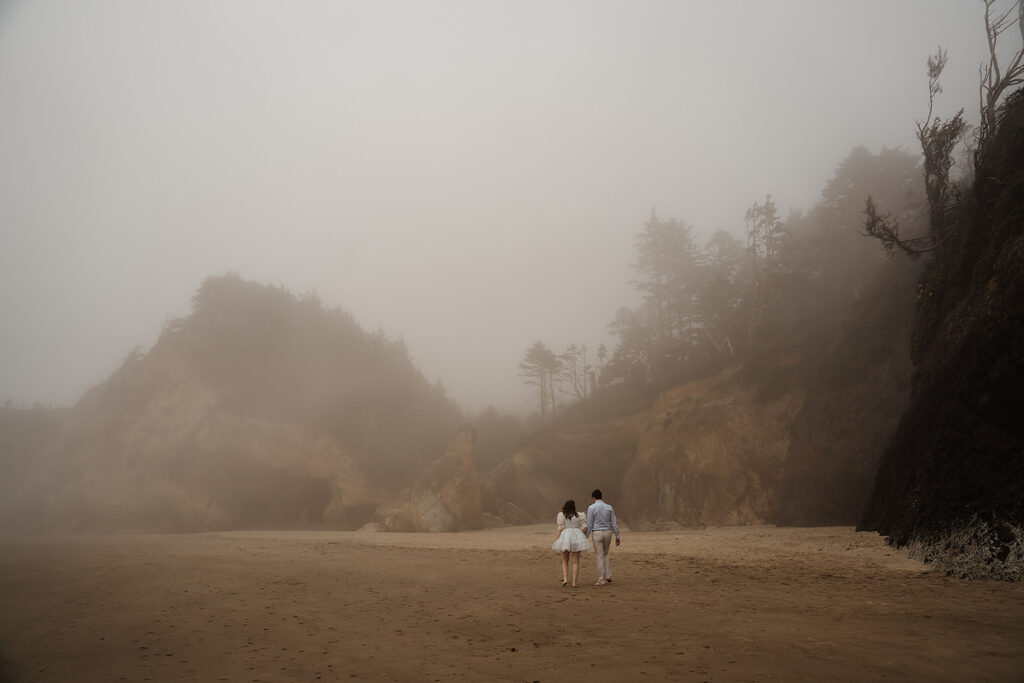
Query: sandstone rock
{"points": [[565, 463], [713, 453], [447, 496], [152, 450], [511, 514], [492, 521], [708, 452]]}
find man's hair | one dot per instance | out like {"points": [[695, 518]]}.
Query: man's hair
{"points": [[596, 494]]}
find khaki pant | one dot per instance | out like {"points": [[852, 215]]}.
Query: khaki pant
{"points": [[602, 544]]}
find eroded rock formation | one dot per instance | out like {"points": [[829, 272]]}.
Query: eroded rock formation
{"points": [[712, 454], [152, 450], [447, 496]]}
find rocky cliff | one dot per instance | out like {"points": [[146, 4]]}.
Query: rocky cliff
{"points": [[713, 453], [857, 392], [259, 410], [445, 498], [719, 450], [951, 482], [152, 450], [794, 437]]}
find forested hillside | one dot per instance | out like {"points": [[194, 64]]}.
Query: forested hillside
{"points": [[758, 381], [755, 385], [729, 339], [268, 354], [857, 360], [258, 409]]}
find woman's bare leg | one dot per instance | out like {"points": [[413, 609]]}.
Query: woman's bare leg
{"points": [[565, 566], [575, 568]]}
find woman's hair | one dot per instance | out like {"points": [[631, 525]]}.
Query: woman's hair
{"points": [[569, 509]]}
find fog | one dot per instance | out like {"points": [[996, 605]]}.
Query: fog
{"points": [[468, 176]]}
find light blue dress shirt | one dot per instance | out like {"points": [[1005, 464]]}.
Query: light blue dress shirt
{"points": [[601, 517]]}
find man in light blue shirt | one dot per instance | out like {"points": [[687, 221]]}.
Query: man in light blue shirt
{"points": [[600, 525]]}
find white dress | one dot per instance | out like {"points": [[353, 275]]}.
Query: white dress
{"points": [[572, 538]]}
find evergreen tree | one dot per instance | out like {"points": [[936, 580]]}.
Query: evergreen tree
{"points": [[540, 368], [667, 260]]}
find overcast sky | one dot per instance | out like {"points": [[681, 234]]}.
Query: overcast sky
{"points": [[469, 175]]}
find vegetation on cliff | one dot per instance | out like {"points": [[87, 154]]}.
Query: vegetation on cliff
{"points": [[808, 306], [761, 379], [270, 354], [760, 382], [259, 409], [951, 484]]}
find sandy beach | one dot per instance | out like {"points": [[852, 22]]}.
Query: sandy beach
{"points": [[728, 604]]}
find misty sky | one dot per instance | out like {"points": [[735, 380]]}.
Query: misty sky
{"points": [[469, 175]]}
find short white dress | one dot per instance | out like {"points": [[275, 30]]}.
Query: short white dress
{"points": [[572, 538]]}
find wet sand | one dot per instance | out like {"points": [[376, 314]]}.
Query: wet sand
{"points": [[732, 604]]}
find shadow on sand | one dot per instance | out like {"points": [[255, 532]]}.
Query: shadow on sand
{"points": [[6, 669]]}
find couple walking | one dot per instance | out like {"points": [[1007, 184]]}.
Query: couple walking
{"points": [[573, 531]]}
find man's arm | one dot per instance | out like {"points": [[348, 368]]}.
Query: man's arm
{"points": [[615, 525], [590, 521]]}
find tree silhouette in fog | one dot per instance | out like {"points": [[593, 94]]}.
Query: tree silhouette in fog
{"points": [[540, 368], [786, 290], [666, 261]]}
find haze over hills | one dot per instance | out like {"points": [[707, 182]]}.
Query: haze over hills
{"points": [[266, 408], [430, 167], [795, 376], [748, 389]]}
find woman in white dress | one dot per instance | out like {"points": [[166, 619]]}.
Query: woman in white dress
{"points": [[571, 540]]}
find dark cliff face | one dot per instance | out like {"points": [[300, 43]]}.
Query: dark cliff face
{"points": [[958, 454], [959, 451], [859, 388]]}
